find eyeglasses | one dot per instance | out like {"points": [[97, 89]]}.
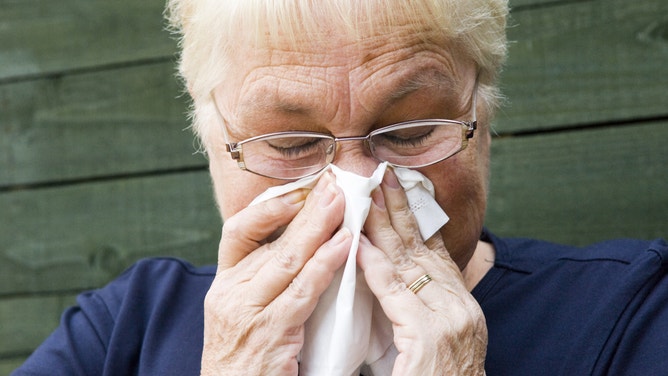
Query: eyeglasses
{"points": [[293, 155]]}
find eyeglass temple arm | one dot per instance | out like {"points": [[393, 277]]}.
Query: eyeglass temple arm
{"points": [[473, 125], [230, 147]]}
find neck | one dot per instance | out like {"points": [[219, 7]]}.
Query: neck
{"points": [[481, 262]]}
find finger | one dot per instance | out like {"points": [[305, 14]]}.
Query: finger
{"points": [[400, 304], [439, 255], [246, 231], [384, 281], [381, 271], [379, 229], [387, 240], [398, 210], [314, 225], [393, 228], [302, 294], [404, 267]]}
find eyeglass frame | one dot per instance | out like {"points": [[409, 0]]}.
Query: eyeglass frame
{"points": [[236, 148]]}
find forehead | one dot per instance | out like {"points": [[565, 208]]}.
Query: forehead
{"points": [[297, 76]]}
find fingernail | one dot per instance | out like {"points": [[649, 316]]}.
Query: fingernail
{"points": [[341, 236], [390, 179], [322, 183], [327, 190], [378, 198], [294, 197]]}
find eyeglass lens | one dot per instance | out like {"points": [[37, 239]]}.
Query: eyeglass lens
{"points": [[291, 156]]}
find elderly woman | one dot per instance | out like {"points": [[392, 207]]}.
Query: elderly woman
{"points": [[281, 91]]}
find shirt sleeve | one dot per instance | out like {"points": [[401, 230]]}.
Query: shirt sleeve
{"points": [[642, 348], [79, 345]]}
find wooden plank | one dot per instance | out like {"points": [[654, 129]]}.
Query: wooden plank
{"points": [[586, 62], [7, 365], [581, 186], [81, 236], [28, 321], [45, 37], [519, 5], [115, 121]]}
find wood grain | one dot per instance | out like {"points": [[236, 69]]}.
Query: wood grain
{"points": [[586, 62], [110, 122], [27, 321], [578, 187], [44, 37], [81, 236]]}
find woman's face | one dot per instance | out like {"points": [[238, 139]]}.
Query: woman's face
{"points": [[349, 89]]}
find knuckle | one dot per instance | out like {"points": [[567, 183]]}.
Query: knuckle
{"points": [[210, 300], [396, 285], [286, 259], [403, 218], [418, 249], [275, 208], [470, 320], [232, 227], [404, 263], [297, 289], [310, 224], [435, 242], [313, 223]]}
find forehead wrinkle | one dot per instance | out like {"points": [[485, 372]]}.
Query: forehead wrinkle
{"points": [[276, 94], [425, 70], [407, 49], [282, 100]]}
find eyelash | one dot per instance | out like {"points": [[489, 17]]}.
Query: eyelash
{"points": [[296, 150], [412, 141]]}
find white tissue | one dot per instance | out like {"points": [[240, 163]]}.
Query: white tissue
{"points": [[348, 327]]}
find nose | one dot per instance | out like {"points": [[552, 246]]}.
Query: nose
{"points": [[352, 155]]}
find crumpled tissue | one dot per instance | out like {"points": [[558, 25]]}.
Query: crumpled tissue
{"points": [[348, 328]]}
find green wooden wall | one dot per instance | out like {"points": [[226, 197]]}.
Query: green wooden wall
{"points": [[582, 147], [97, 168]]}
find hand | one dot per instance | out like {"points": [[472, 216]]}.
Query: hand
{"points": [[441, 329], [263, 292]]}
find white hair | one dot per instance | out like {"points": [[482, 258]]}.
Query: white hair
{"points": [[211, 30]]}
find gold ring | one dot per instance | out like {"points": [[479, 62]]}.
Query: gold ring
{"points": [[419, 283]]}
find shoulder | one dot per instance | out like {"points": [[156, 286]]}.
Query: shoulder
{"points": [[152, 311], [159, 270], [168, 266], [535, 280], [155, 308], [151, 280], [527, 255], [588, 308]]}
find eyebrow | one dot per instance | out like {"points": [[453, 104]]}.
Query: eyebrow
{"points": [[271, 103], [423, 79]]}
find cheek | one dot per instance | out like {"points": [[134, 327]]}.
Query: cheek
{"points": [[461, 191], [460, 187], [233, 187]]}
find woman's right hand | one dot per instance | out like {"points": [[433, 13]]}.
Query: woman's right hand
{"points": [[263, 292]]}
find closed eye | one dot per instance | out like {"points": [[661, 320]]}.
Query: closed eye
{"points": [[296, 146], [407, 137]]}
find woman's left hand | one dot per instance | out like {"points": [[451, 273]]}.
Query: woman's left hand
{"points": [[440, 330]]}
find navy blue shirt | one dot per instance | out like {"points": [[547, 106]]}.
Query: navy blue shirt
{"points": [[550, 310]]}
